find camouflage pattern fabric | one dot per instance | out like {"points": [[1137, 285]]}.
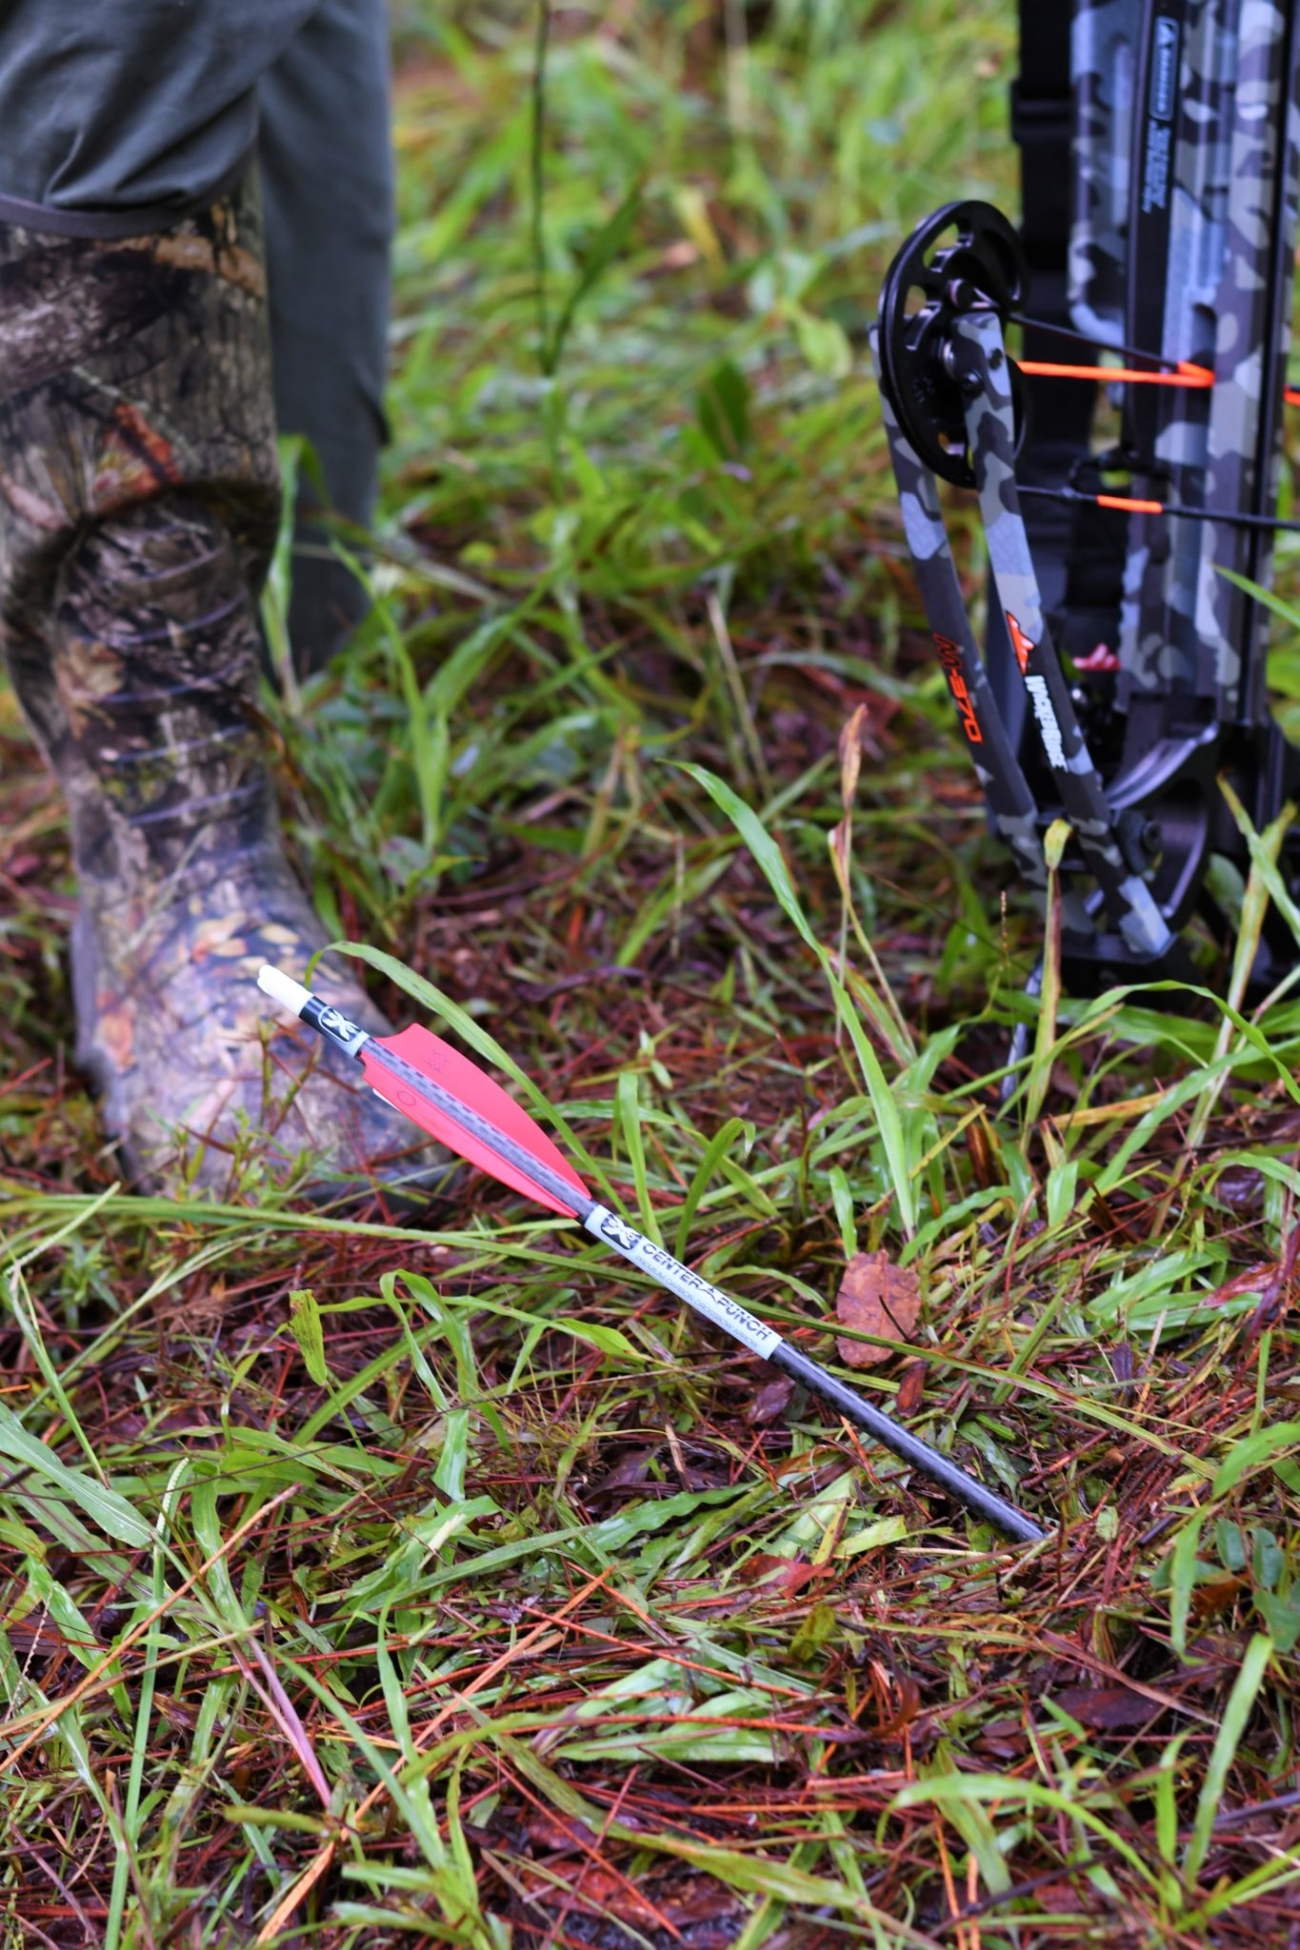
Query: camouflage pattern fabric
{"points": [[139, 499], [1103, 38]]}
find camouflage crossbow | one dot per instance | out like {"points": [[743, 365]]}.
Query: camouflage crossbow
{"points": [[1123, 674]]}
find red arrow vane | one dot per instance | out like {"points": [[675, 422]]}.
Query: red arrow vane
{"points": [[450, 1098]]}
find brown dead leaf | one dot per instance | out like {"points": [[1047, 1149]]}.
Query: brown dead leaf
{"points": [[787, 1573], [875, 1298], [594, 1888], [842, 853], [1106, 1707], [851, 756], [911, 1386], [1209, 1599], [1004, 1739], [628, 1473], [770, 1402], [1273, 1281], [1056, 1897], [552, 1834]]}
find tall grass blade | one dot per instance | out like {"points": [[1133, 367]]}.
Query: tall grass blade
{"points": [[1232, 1729]]}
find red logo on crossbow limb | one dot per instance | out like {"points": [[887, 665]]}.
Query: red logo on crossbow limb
{"points": [[1020, 643], [951, 659]]}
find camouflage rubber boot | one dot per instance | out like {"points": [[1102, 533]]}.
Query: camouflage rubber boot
{"points": [[138, 503]]}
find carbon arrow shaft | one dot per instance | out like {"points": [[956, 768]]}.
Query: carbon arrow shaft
{"points": [[661, 1266]]}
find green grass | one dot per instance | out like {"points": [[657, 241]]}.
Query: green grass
{"points": [[365, 1584]]}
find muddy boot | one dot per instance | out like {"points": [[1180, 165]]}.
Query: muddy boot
{"points": [[138, 503]]}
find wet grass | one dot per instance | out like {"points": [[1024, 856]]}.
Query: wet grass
{"points": [[366, 1583]]}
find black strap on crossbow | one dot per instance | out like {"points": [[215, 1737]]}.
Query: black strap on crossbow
{"points": [[1079, 554]]}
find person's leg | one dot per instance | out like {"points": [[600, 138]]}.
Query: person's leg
{"points": [[132, 112], [327, 185], [138, 501]]}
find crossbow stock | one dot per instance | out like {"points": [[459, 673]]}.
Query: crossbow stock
{"points": [[1123, 673]]}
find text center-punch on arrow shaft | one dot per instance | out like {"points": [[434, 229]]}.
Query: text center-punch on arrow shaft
{"points": [[455, 1102]]}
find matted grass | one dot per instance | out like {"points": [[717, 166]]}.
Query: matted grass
{"points": [[366, 1583]]}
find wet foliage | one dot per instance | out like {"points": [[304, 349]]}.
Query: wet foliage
{"points": [[364, 1582]]}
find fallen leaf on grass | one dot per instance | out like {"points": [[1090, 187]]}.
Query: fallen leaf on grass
{"points": [[1106, 1707], [1056, 1898], [911, 1386], [628, 1473], [1216, 1596], [1273, 1280], [596, 1890], [875, 1298], [551, 1834], [770, 1401], [1004, 1739], [790, 1574]]}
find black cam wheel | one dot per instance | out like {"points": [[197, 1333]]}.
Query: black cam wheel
{"points": [[966, 257]]}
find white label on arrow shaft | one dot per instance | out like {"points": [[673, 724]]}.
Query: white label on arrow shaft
{"points": [[669, 1272]]}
